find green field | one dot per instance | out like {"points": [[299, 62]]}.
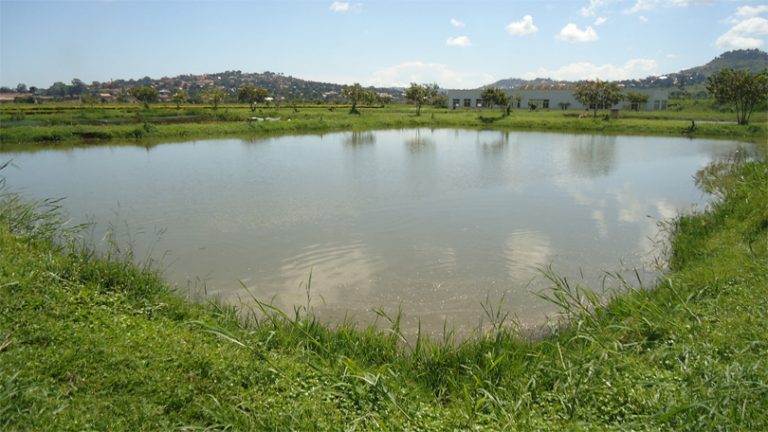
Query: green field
{"points": [[96, 343], [51, 125]]}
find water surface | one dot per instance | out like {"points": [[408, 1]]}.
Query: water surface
{"points": [[434, 221]]}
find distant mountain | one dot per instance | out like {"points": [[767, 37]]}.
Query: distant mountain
{"points": [[754, 60]]}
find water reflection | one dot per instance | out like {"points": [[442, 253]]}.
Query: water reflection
{"points": [[592, 155], [419, 141], [492, 145], [360, 138], [430, 220]]}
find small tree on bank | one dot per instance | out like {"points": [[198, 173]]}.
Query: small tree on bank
{"points": [[357, 94], [145, 95], [214, 96], [636, 99], [741, 89], [495, 97], [420, 94], [179, 97], [252, 95], [598, 94]]}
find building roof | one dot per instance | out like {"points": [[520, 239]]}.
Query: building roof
{"points": [[558, 86]]}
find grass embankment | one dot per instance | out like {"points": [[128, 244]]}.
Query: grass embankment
{"points": [[52, 125], [91, 343]]}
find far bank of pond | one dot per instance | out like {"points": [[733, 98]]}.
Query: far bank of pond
{"points": [[72, 125], [436, 222]]}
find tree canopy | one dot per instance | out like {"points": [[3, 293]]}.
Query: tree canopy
{"points": [[741, 89], [355, 94], [214, 96], [637, 99], [495, 97], [252, 95], [144, 94], [420, 94], [598, 94], [179, 97]]}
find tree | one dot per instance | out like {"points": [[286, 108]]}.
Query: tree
{"points": [[421, 94], [77, 88], [144, 94], [179, 97], [597, 94], [636, 99], [495, 97], [252, 95], [356, 93], [741, 89], [21, 88], [214, 96], [57, 89]]}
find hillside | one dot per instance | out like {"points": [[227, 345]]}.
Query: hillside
{"points": [[754, 60], [278, 85]]}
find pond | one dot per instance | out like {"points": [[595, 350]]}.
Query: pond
{"points": [[433, 221]]}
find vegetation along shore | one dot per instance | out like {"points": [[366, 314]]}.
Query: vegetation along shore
{"points": [[58, 124]]}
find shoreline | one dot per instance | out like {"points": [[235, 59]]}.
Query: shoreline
{"points": [[147, 128]]}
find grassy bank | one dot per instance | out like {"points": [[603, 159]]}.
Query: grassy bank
{"points": [[91, 343], [71, 125]]}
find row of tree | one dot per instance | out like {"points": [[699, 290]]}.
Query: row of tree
{"points": [[739, 89]]}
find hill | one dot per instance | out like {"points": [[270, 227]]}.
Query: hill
{"points": [[753, 60], [278, 85]]}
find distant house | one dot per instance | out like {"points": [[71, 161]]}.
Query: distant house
{"points": [[13, 97], [554, 96]]}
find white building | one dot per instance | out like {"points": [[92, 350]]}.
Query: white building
{"points": [[555, 97]]}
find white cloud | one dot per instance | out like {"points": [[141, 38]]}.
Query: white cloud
{"points": [[600, 21], [648, 5], [745, 34], [634, 68], [456, 23], [523, 27], [340, 6], [642, 19], [593, 6], [460, 41], [402, 74], [572, 33], [750, 11]]}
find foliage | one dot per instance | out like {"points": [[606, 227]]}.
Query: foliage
{"points": [[741, 89], [421, 94], [252, 95], [597, 94], [179, 97], [637, 99], [144, 94], [357, 94], [214, 96], [495, 97], [68, 124]]}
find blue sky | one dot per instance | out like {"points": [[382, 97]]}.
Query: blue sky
{"points": [[455, 43]]}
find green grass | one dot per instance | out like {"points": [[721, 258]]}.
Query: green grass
{"points": [[67, 125], [96, 343]]}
